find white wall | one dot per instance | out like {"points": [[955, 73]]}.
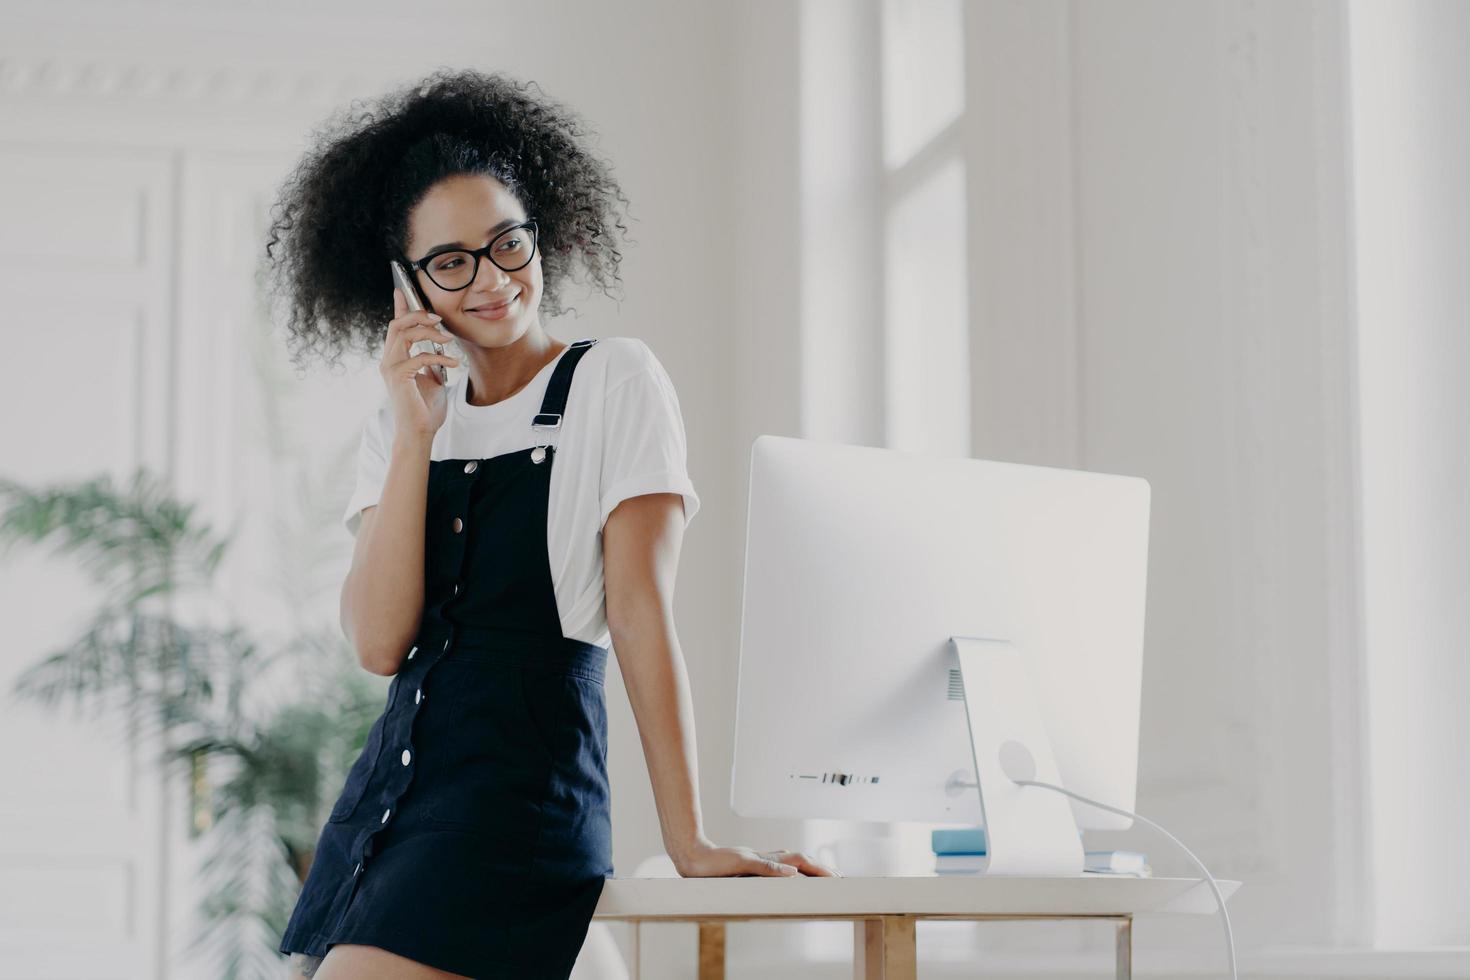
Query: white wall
{"points": [[1156, 200], [1210, 363], [1161, 282], [1411, 149]]}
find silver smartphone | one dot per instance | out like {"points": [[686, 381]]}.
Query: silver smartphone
{"points": [[410, 289]]}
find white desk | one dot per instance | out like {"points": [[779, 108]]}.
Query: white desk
{"points": [[884, 910]]}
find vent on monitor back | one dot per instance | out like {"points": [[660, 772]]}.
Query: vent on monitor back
{"points": [[956, 685], [832, 778]]}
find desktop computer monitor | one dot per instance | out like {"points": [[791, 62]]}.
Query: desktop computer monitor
{"points": [[864, 565]]}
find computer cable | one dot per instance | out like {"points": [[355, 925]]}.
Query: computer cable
{"points": [[1219, 898]]}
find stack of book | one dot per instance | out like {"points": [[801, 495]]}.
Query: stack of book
{"points": [[962, 851], [1133, 864]]}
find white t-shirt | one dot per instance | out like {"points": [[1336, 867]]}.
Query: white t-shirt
{"points": [[621, 435]]}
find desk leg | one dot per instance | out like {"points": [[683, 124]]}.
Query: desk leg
{"points": [[711, 951], [1125, 949], [635, 936], [883, 949]]}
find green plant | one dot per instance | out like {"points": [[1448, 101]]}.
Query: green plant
{"points": [[208, 697]]}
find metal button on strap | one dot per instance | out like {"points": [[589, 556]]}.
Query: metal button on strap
{"points": [[471, 466], [418, 695], [406, 756], [385, 815], [458, 525]]}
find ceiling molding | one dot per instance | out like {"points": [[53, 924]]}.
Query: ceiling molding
{"points": [[96, 79]]}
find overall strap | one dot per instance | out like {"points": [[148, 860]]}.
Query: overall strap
{"points": [[555, 401]]}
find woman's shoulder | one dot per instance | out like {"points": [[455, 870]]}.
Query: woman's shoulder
{"points": [[624, 358]]}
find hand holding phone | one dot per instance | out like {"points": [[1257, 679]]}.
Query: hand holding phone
{"points": [[410, 290], [419, 398]]}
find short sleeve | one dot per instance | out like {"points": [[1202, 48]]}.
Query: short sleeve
{"points": [[372, 471], [643, 446]]}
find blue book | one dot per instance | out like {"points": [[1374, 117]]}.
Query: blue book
{"points": [[964, 840], [1117, 862]]}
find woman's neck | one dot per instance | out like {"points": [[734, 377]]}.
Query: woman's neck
{"points": [[496, 374]]}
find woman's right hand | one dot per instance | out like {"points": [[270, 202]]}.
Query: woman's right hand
{"points": [[419, 399]]}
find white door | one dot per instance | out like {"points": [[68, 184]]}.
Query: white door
{"points": [[85, 274]]}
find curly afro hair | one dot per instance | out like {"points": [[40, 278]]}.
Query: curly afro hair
{"points": [[343, 211]]}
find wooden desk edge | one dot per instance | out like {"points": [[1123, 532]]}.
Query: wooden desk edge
{"points": [[884, 946]]}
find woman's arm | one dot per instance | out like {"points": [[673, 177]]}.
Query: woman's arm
{"points": [[640, 556], [383, 595]]}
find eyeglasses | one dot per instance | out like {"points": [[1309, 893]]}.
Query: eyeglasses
{"points": [[455, 269]]}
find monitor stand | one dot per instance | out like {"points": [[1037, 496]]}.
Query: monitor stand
{"points": [[1029, 830]]}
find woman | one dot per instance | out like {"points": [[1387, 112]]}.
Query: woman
{"points": [[544, 496]]}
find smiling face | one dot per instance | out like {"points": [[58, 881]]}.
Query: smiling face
{"points": [[470, 212]]}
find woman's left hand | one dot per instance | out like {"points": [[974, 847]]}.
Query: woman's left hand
{"points": [[708, 860]]}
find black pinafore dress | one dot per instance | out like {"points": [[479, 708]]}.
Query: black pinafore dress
{"points": [[474, 831]]}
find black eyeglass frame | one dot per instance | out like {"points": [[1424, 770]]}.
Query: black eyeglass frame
{"points": [[477, 253]]}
